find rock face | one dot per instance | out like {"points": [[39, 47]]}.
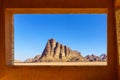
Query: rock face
{"points": [[55, 52], [103, 57], [36, 58], [94, 58]]}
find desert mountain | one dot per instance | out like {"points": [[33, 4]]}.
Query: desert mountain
{"points": [[57, 52], [35, 59], [94, 58]]}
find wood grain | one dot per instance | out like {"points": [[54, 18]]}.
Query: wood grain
{"points": [[108, 72]]}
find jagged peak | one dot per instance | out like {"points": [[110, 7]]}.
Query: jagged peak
{"points": [[52, 40], [55, 51]]}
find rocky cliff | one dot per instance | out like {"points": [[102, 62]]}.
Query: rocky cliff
{"points": [[94, 58], [57, 52]]}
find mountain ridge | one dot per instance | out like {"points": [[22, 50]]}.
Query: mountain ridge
{"points": [[57, 52]]}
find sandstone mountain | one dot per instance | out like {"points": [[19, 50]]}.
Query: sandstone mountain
{"points": [[54, 51], [57, 52], [94, 58], [35, 59]]}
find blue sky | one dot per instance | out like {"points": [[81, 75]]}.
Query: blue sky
{"points": [[86, 33]]}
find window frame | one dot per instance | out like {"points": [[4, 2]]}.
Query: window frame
{"points": [[9, 26]]}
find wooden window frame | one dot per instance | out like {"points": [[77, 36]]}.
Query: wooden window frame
{"points": [[9, 26]]}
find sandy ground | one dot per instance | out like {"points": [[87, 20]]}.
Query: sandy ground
{"points": [[62, 64]]}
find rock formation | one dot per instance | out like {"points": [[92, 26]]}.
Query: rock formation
{"points": [[36, 58], [103, 57], [94, 58], [28, 60], [57, 52]]}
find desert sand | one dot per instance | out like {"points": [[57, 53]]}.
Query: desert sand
{"points": [[61, 64]]}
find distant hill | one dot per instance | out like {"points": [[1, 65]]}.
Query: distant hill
{"points": [[17, 61], [93, 58]]}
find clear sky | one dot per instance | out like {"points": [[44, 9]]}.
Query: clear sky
{"points": [[86, 33]]}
